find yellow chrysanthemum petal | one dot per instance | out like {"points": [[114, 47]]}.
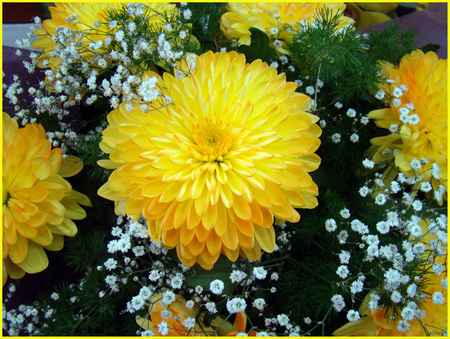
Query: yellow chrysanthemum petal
{"points": [[37, 202], [236, 23], [36, 260], [420, 85], [211, 170]]}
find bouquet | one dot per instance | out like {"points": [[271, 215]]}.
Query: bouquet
{"points": [[240, 169]]}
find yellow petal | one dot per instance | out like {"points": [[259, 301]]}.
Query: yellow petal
{"points": [[265, 238], [70, 166], [57, 243], [36, 259]]}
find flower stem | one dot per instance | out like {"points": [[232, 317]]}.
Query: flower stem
{"points": [[306, 268]]}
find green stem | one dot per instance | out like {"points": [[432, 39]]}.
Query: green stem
{"points": [[263, 263], [306, 268]]}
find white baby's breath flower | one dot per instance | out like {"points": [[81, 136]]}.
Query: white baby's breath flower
{"points": [[367, 163], [342, 271], [353, 315], [345, 213], [336, 138], [330, 225], [338, 302], [236, 305], [438, 298], [216, 286], [259, 303]]}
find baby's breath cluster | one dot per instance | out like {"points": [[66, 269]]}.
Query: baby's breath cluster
{"points": [[244, 286], [408, 245]]}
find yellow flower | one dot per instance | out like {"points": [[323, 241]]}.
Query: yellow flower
{"points": [[88, 13], [236, 23], [369, 14], [376, 323], [211, 170], [178, 327], [417, 117], [38, 204]]}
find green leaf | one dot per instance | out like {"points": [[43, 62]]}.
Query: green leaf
{"points": [[259, 47], [222, 269], [430, 47]]}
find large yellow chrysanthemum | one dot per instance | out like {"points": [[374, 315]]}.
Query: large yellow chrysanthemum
{"points": [[38, 204], [211, 170], [418, 113], [376, 323], [179, 312], [88, 13], [236, 23]]}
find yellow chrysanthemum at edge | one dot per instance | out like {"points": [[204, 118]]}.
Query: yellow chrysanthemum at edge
{"points": [[236, 23], [417, 119], [87, 14], [38, 203], [211, 170]]}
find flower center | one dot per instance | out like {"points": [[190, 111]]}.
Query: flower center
{"points": [[212, 142], [6, 196]]}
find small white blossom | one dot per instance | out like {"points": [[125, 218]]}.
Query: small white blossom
{"points": [[396, 297], [336, 138], [364, 191], [380, 199], [216, 286], [163, 328], [330, 225], [236, 305], [168, 297], [364, 120], [356, 286], [338, 302], [274, 276], [259, 303], [351, 113], [353, 315], [379, 95], [367, 163], [310, 90], [110, 264], [237, 276], [259, 272], [393, 128], [211, 307], [189, 322], [354, 137], [342, 271], [345, 213], [283, 319], [403, 326], [438, 298], [342, 237], [383, 227]]}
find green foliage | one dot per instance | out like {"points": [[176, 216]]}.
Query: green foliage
{"points": [[206, 25], [336, 57], [259, 47], [85, 250], [345, 59], [391, 44], [89, 152]]}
